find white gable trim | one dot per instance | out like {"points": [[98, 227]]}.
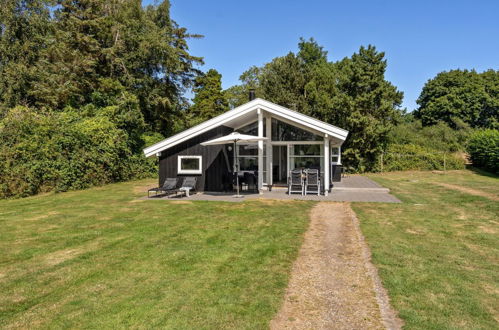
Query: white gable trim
{"points": [[270, 107]]}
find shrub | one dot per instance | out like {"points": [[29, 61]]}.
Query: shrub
{"points": [[401, 157], [483, 148], [437, 137], [63, 151]]}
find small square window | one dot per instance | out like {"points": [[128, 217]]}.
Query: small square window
{"points": [[335, 151], [189, 165]]}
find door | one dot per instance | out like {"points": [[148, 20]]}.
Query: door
{"points": [[279, 164]]}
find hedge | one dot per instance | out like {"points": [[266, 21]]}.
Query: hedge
{"points": [[401, 157], [63, 151], [483, 148]]}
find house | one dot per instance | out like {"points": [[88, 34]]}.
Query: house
{"points": [[294, 140]]}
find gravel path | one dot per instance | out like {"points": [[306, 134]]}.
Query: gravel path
{"points": [[333, 285]]}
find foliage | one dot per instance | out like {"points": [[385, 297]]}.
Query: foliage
{"points": [[403, 157], [63, 151], [104, 259], [238, 94], [352, 94], [436, 252], [483, 148], [209, 99], [439, 137], [92, 78], [461, 95]]}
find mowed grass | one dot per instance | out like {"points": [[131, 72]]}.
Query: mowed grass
{"points": [[438, 251], [101, 258]]}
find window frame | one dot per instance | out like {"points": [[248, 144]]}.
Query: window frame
{"points": [[199, 170], [337, 155]]}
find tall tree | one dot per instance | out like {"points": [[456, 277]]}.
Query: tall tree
{"points": [[25, 30], [283, 81], [238, 94], [209, 99], [461, 96], [82, 84], [85, 41], [352, 93], [371, 105]]}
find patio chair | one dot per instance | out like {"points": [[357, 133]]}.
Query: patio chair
{"points": [[312, 182], [188, 185], [169, 186], [295, 182], [251, 181]]}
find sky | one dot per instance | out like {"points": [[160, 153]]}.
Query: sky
{"points": [[419, 38]]}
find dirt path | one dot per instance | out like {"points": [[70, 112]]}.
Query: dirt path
{"points": [[467, 190], [333, 285]]}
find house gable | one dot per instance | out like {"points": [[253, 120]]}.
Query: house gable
{"points": [[243, 113]]}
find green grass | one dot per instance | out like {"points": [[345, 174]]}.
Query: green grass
{"points": [[438, 251], [100, 258]]}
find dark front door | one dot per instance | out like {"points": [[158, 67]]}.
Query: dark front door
{"points": [[279, 164]]}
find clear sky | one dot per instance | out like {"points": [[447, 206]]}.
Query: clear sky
{"points": [[420, 38]]}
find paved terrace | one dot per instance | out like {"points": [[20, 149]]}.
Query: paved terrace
{"points": [[354, 188]]}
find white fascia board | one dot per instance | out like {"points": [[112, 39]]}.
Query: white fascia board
{"points": [[270, 107], [201, 128]]}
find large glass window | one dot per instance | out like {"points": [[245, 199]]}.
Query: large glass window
{"points": [[305, 156], [285, 132], [252, 129], [248, 157]]}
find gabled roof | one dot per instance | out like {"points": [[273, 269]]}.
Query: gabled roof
{"points": [[244, 111]]}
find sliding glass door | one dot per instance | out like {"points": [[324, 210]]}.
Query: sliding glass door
{"points": [[279, 164]]}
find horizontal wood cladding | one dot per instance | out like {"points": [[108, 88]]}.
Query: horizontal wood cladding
{"points": [[215, 172]]}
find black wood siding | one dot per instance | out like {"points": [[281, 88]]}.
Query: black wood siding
{"points": [[214, 165]]}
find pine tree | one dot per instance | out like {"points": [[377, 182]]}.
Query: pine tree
{"points": [[25, 30], [351, 93], [209, 99], [371, 104]]}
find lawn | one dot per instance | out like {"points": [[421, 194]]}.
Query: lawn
{"points": [[101, 258], [438, 251]]}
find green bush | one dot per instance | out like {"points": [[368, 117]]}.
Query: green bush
{"points": [[63, 151], [483, 148], [402, 157], [437, 137]]}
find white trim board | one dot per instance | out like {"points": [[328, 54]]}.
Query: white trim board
{"points": [[272, 108]]}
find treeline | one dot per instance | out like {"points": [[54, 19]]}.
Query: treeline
{"points": [[84, 86], [353, 93]]}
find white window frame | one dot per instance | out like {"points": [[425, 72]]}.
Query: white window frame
{"points": [[196, 171], [336, 155]]}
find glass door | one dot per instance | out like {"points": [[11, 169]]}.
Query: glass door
{"points": [[279, 164]]}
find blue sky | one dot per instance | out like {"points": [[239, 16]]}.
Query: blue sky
{"points": [[420, 38]]}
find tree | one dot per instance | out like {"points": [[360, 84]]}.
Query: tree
{"points": [[209, 99], [310, 52], [238, 94], [483, 148], [461, 95], [370, 104], [82, 84], [25, 29], [85, 41], [283, 80], [352, 93]]}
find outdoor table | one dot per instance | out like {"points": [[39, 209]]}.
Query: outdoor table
{"points": [[187, 191]]}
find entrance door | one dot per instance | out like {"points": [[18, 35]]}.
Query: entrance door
{"points": [[279, 164]]}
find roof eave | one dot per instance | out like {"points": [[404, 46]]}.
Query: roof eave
{"points": [[270, 107]]}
